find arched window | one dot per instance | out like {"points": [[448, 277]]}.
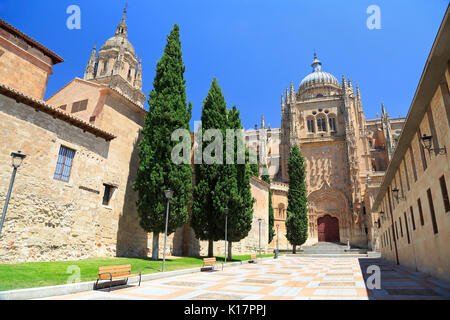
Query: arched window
{"points": [[310, 124], [332, 123], [321, 124]]}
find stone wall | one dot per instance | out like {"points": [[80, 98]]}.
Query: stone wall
{"points": [[48, 219], [23, 66]]}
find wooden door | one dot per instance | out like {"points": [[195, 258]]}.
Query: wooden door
{"points": [[328, 229]]}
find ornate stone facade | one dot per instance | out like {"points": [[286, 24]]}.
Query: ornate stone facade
{"points": [[342, 150]]}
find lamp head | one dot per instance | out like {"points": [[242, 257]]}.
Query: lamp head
{"points": [[168, 193], [17, 158], [426, 141], [395, 192]]}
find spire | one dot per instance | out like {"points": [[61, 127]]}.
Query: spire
{"points": [[282, 102], [292, 93], [263, 125], [344, 84], [287, 97], [358, 94], [138, 76], [124, 17], [89, 72], [383, 111], [316, 64], [122, 29]]}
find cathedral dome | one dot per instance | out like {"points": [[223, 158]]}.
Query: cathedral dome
{"points": [[117, 42], [318, 77]]}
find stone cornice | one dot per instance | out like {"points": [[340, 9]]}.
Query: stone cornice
{"points": [[40, 105]]}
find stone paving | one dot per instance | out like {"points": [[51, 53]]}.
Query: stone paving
{"points": [[288, 278]]}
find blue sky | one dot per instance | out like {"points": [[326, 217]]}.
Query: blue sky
{"points": [[254, 48]]}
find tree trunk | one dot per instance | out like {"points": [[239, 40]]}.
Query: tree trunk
{"points": [[210, 248], [294, 249], [230, 255], [155, 245]]}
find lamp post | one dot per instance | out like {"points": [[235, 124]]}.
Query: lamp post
{"points": [[169, 195], [277, 242], [17, 158], [260, 220], [226, 226]]}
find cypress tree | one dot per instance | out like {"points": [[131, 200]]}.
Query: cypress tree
{"points": [[297, 218], [207, 207], [266, 178], [168, 111], [240, 209]]}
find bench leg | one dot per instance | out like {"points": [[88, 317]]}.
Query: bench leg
{"points": [[96, 284]]}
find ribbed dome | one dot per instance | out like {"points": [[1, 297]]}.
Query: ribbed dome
{"points": [[318, 77], [117, 42]]}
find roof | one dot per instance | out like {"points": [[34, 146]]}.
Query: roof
{"points": [[429, 81], [55, 112], [55, 58]]}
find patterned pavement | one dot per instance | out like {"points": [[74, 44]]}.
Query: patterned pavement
{"points": [[288, 278]]}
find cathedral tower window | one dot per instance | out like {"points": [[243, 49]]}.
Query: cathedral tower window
{"points": [[321, 124], [310, 123], [332, 123]]}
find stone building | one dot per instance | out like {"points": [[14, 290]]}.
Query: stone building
{"points": [[412, 207], [73, 196], [344, 153]]}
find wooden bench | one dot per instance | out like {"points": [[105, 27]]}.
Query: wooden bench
{"points": [[116, 273], [209, 262], [252, 258]]}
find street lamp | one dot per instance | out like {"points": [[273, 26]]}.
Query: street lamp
{"points": [[260, 220], [427, 143], [169, 195], [16, 161], [277, 242], [395, 193], [226, 226]]}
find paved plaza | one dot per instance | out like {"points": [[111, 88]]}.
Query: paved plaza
{"points": [[288, 278]]}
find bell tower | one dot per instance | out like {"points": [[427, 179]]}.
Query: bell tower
{"points": [[117, 65]]}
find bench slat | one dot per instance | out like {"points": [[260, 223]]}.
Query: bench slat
{"points": [[106, 277], [101, 269]]}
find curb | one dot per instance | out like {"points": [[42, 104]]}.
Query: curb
{"points": [[65, 289]]}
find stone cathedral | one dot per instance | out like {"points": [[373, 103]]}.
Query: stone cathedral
{"points": [[344, 155]]}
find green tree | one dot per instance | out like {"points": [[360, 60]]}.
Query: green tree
{"points": [[208, 208], [240, 209], [297, 218], [266, 178], [168, 111]]}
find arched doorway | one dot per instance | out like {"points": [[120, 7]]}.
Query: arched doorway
{"points": [[328, 228]]}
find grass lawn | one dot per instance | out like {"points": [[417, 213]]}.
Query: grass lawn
{"points": [[41, 274]]}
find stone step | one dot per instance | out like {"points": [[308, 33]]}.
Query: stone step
{"points": [[331, 248]]}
